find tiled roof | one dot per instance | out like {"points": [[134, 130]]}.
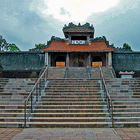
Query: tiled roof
{"points": [[78, 28], [57, 46]]}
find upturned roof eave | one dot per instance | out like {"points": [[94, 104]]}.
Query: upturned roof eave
{"points": [[50, 51]]}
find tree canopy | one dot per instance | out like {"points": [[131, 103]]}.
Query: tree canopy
{"points": [[13, 48], [38, 47], [5, 46], [127, 47]]}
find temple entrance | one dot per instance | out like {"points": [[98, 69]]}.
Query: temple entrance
{"points": [[78, 60], [60, 61], [97, 62]]}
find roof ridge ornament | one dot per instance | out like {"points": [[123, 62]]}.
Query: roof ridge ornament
{"points": [[79, 24], [72, 28]]}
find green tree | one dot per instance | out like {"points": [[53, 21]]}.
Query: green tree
{"points": [[127, 47], [13, 48], [3, 44], [40, 46]]}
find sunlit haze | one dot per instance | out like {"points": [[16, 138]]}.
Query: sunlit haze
{"points": [[76, 10]]}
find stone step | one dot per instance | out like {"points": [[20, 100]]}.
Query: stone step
{"points": [[71, 106], [126, 114], [71, 99], [125, 96], [72, 89], [127, 124], [69, 88], [127, 119], [68, 114], [74, 92], [75, 83], [70, 124], [72, 83], [68, 110], [18, 97], [125, 101], [128, 92], [10, 103], [11, 110], [74, 79], [11, 114], [58, 124], [13, 93], [70, 96], [54, 106], [132, 109], [130, 99], [73, 103], [57, 110], [126, 106], [70, 119], [57, 119], [2, 106]]}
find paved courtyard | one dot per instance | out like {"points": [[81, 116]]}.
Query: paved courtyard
{"points": [[70, 134], [9, 133], [67, 134]]}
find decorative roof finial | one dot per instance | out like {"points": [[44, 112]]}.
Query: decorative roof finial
{"points": [[79, 24]]}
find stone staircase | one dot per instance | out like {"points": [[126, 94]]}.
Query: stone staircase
{"points": [[12, 94], [71, 103], [126, 101], [107, 72], [56, 72], [95, 73], [77, 72]]}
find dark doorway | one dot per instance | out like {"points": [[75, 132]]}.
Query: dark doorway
{"points": [[97, 62], [78, 60], [97, 59], [60, 61]]}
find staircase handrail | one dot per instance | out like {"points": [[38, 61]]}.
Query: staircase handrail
{"points": [[113, 72], [66, 73], [88, 71], [108, 98], [34, 95], [42, 70]]}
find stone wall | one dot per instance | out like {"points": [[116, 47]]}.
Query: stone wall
{"points": [[22, 61], [129, 61], [34, 61]]}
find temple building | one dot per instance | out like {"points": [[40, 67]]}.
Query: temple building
{"points": [[79, 48]]}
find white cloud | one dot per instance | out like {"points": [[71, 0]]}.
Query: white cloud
{"points": [[78, 10]]}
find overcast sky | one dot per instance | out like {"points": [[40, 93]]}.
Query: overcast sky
{"points": [[28, 22]]}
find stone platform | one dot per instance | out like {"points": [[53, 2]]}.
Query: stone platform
{"points": [[69, 134]]}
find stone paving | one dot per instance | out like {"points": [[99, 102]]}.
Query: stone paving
{"points": [[8, 133], [67, 134], [129, 133], [70, 134]]}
